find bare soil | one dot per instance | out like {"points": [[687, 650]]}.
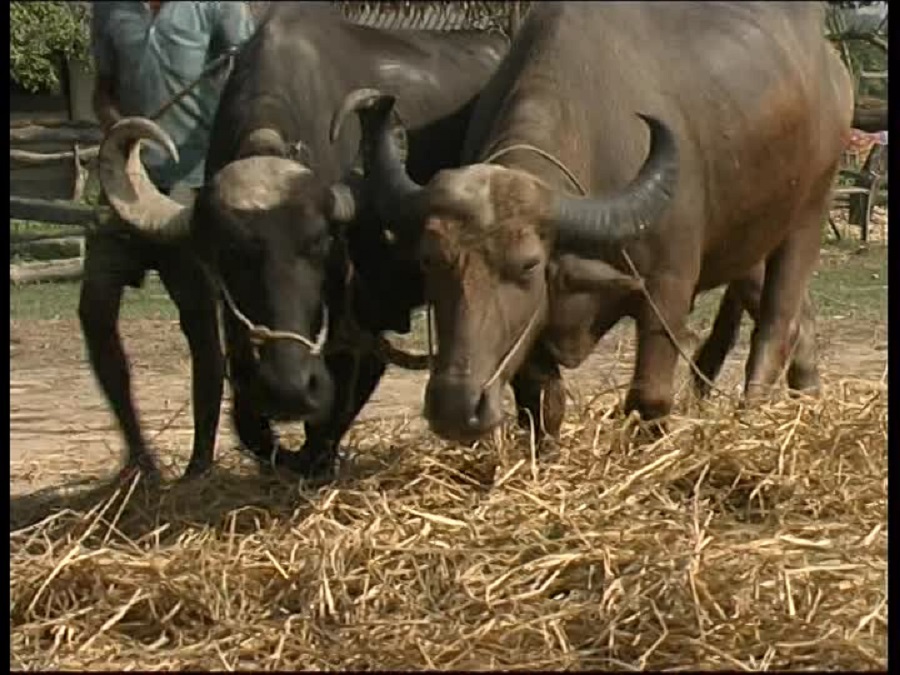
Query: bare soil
{"points": [[61, 430]]}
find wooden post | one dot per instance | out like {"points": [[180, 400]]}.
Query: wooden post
{"points": [[80, 177], [56, 270], [515, 18]]}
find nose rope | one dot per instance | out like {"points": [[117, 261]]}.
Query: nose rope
{"points": [[542, 153], [260, 333], [512, 351]]}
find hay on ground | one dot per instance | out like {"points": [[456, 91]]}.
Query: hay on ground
{"points": [[741, 540]]}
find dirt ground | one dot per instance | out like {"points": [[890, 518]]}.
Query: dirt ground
{"points": [[61, 430]]}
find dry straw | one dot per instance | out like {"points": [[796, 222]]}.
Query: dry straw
{"points": [[740, 540]]}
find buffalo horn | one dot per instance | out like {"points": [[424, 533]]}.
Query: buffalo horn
{"points": [[129, 189], [383, 152], [585, 221]]}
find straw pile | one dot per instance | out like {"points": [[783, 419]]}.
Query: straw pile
{"points": [[741, 540]]}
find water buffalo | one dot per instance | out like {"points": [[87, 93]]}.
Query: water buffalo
{"points": [[309, 277], [705, 138]]}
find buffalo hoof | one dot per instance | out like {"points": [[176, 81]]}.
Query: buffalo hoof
{"points": [[702, 385], [804, 383], [651, 431], [548, 449], [755, 395], [143, 464], [195, 471], [650, 409]]}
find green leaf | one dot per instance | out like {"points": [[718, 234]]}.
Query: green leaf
{"points": [[42, 35]]}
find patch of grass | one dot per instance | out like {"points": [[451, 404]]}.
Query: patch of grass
{"points": [[20, 230], [60, 301], [852, 282]]}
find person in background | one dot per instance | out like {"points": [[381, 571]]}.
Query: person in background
{"points": [[146, 53]]}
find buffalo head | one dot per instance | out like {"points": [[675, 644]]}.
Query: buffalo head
{"points": [[489, 238], [262, 226]]}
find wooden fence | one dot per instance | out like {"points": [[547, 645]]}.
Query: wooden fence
{"points": [[50, 158]]}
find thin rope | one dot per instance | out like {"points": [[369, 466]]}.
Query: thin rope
{"points": [[212, 67], [543, 153], [693, 366], [260, 333], [512, 351]]}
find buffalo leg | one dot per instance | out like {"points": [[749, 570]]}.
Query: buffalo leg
{"points": [[540, 375], [111, 264], [744, 294], [803, 373], [651, 392], [355, 378], [785, 314], [197, 313], [710, 357]]}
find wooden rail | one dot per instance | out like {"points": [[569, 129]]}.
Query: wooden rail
{"points": [[29, 142], [58, 211]]}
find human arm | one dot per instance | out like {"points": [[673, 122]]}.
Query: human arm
{"points": [[104, 99], [233, 25]]}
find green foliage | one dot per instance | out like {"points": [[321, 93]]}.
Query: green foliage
{"points": [[41, 35]]}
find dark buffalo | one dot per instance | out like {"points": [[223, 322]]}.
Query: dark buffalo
{"points": [[706, 136], [281, 224]]}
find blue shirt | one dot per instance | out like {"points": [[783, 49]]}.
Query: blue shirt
{"points": [[151, 59]]}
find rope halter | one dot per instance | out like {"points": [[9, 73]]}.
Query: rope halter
{"points": [[260, 333]]}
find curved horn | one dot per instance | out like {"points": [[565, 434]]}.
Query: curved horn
{"points": [[383, 153], [129, 189], [356, 100], [587, 221]]}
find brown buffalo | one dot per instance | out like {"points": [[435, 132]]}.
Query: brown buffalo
{"points": [[706, 136]]}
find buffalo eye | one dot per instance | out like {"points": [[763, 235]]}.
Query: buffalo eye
{"points": [[530, 265], [525, 268]]}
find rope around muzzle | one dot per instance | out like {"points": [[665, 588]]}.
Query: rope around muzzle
{"points": [[260, 333], [634, 272]]}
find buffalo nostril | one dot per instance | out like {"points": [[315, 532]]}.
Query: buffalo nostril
{"points": [[480, 412], [313, 385]]}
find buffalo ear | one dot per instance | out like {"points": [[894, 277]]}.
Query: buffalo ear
{"points": [[343, 204], [346, 200], [583, 275]]}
